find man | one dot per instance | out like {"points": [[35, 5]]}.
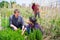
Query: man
{"points": [[35, 8], [32, 25], [16, 21]]}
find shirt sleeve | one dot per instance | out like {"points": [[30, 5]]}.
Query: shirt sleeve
{"points": [[22, 21]]}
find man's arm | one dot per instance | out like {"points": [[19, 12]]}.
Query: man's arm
{"points": [[11, 25], [23, 30], [14, 27], [22, 21], [23, 27]]}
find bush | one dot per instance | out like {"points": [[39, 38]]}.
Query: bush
{"points": [[8, 34], [5, 22], [36, 35], [55, 28], [5, 17]]}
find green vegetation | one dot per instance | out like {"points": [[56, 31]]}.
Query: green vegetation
{"points": [[50, 25], [36, 35], [55, 28], [4, 4], [53, 24], [8, 34]]}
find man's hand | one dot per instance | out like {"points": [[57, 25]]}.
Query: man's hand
{"points": [[23, 30], [14, 27]]}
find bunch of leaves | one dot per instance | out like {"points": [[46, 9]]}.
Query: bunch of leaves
{"points": [[8, 34], [5, 22], [36, 35], [55, 28], [5, 16]]}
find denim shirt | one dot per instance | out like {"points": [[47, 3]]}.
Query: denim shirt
{"points": [[18, 22]]}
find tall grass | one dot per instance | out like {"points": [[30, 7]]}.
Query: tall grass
{"points": [[8, 34], [50, 25], [36, 35]]}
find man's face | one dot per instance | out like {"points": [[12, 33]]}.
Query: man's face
{"points": [[17, 13]]}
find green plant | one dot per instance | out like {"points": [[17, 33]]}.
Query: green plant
{"points": [[36, 35], [55, 28], [5, 22], [8, 34]]}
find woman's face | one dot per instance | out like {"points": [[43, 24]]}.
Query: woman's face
{"points": [[31, 23]]}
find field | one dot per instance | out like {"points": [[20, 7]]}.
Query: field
{"points": [[50, 22]]}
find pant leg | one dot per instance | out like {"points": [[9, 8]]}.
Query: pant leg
{"points": [[19, 25], [38, 15], [35, 15], [31, 29], [28, 30]]}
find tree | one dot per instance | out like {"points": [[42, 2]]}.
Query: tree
{"points": [[4, 4]]}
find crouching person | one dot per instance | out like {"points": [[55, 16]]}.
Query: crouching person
{"points": [[16, 21], [32, 25]]}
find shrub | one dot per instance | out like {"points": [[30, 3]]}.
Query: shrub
{"points": [[8, 34], [5, 22], [36, 35], [55, 28]]}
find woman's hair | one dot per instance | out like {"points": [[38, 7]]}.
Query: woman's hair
{"points": [[33, 4], [33, 19]]}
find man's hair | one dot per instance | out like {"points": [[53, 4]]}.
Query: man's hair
{"points": [[16, 10]]}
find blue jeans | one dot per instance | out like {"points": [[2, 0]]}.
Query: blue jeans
{"points": [[28, 30]]}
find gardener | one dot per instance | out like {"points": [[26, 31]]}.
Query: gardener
{"points": [[32, 24], [16, 21], [35, 8]]}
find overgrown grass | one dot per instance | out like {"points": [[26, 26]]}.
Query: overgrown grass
{"points": [[53, 25], [8, 34], [55, 28], [36, 35]]}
